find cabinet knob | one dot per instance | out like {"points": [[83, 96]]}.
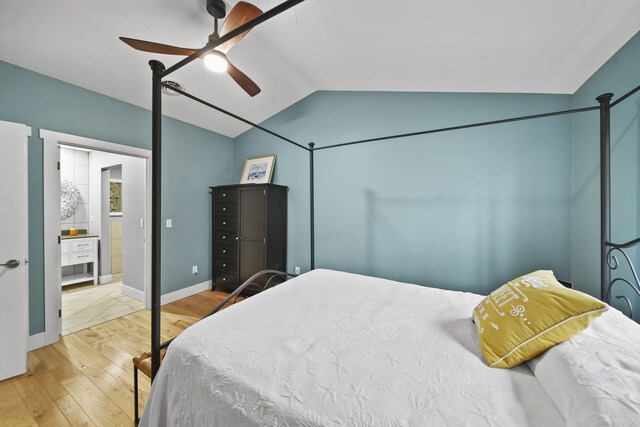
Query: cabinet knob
{"points": [[224, 237], [224, 251], [224, 194], [224, 279], [224, 222], [224, 265], [224, 209], [236, 238]]}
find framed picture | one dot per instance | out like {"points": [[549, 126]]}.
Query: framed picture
{"points": [[258, 170], [115, 197]]}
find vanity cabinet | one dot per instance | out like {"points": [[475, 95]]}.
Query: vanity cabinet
{"points": [[79, 250]]}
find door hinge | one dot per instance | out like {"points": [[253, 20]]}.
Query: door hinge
{"points": [[59, 240], [264, 191], [58, 165], [59, 312]]}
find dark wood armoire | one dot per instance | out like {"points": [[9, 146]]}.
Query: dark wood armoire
{"points": [[249, 232]]}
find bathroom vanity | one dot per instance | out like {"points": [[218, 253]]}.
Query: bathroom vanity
{"points": [[80, 250]]}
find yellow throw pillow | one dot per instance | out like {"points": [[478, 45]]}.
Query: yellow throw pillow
{"points": [[529, 315]]}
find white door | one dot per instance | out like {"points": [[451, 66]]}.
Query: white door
{"points": [[14, 275]]}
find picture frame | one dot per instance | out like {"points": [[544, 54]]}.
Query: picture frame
{"points": [[258, 170], [115, 197]]}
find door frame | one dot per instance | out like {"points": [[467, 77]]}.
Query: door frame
{"points": [[51, 178]]}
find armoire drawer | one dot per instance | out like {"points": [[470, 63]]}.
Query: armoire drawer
{"points": [[226, 264], [225, 208], [226, 279], [224, 236], [225, 250], [223, 222], [225, 195]]}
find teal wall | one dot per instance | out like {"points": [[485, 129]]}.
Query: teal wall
{"points": [[462, 210], [618, 75], [193, 160]]}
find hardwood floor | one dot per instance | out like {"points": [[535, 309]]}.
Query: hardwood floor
{"points": [[86, 379]]}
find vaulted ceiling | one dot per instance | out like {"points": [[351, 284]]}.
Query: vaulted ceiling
{"points": [[542, 46]]}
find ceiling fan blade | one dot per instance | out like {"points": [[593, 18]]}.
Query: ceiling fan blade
{"points": [[242, 79], [241, 13], [157, 47]]}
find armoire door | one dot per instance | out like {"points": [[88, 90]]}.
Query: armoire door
{"points": [[252, 231]]}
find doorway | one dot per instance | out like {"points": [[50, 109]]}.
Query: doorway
{"points": [[102, 206], [96, 253]]}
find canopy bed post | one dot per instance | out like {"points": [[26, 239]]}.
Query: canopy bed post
{"points": [[159, 72], [311, 207], [156, 215], [605, 192]]}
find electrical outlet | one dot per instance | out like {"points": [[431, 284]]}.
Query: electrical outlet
{"points": [[194, 269], [296, 270], [169, 223]]}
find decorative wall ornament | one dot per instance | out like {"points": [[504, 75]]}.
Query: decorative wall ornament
{"points": [[70, 198]]}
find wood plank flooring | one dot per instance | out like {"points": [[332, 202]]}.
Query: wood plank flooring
{"points": [[86, 379]]}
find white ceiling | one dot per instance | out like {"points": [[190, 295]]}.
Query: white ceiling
{"points": [[541, 46]]}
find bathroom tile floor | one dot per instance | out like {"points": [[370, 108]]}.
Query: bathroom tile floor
{"points": [[88, 305]]}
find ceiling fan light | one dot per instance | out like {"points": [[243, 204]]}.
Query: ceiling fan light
{"points": [[215, 62]]}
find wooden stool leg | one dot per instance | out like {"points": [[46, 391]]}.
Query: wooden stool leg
{"points": [[135, 395]]}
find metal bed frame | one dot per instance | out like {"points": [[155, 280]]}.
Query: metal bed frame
{"points": [[609, 250]]}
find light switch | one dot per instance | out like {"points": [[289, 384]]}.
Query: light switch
{"points": [[141, 222], [169, 223]]}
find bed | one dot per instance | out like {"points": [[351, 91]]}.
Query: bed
{"points": [[331, 348], [337, 349]]}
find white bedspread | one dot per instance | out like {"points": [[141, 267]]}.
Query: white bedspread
{"points": [[594, 378], [337, 349]]}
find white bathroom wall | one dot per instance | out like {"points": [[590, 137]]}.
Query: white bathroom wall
{"points": [[133, 210], [105, 245], [116, 172], [74, 165]]}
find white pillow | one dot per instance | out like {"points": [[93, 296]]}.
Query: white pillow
{"points": [[594, 378]]}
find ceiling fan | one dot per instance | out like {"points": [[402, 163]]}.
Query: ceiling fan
{"points": [[215, 60]]}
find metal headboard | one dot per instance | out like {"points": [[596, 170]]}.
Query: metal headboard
{"points": [[253, 283], [274, 278], [613, 264]]}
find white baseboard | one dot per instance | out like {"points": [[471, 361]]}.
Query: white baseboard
{"points": [[186, 292], [108, 278], [36, 341], [132, 292]]}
